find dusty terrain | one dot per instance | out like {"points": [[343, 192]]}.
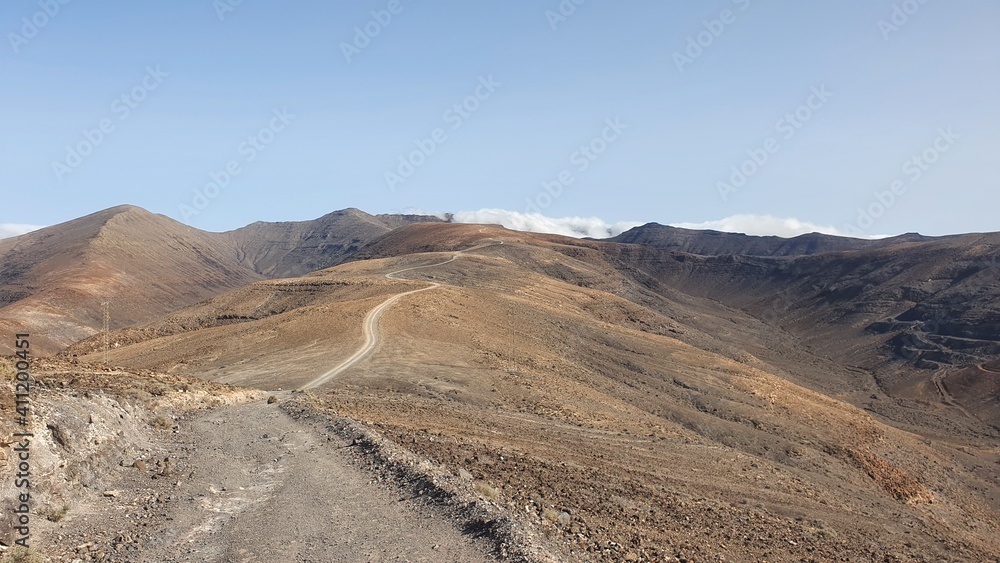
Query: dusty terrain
{"points": [[204, 472], [625, 432], [267, 488], [813, 400]]}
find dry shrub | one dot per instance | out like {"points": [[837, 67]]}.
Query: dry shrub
{"points": [[161, 421], [488, 491], [159, 389], [53, 513], [137, 395], [897, 482], [21, 555]]}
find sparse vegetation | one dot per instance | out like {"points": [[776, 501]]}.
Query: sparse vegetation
{"points": [[488, 491], [55, 514], [159, 389], [550, 515], [6, 372], [137, 395], [21, 555], [6, 401], [161, 421]]}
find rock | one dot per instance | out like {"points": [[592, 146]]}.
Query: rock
{"points": [[272, 399], [631, 556], [58, 435]]}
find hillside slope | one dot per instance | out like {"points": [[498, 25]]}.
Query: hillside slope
{"points": [[906, 315], [623, 417], [291, 249], [53, 281]]}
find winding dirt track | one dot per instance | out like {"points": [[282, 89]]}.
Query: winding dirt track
{"points": [[370, 328], [370, 324], [262, 486], [946, 397], [983, 368]]}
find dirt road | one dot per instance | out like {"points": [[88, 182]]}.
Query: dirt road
{"points": [[269, 488], [946, 397], [370, 324], [251, 483]]}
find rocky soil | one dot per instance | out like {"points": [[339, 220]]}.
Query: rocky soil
{"points": [[147, 467]]}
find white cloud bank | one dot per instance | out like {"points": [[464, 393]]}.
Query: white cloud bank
{"points": [[759, 225], [767, 225], [538, 223], [8, 230]]}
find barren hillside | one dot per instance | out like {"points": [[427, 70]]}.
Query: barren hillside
{"points": [[281, 250], [53, 281], [617, 402]]}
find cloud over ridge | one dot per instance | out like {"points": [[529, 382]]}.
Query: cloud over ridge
{"points": [[538, 223], [757, 225], [765, 225], [8, 230]]}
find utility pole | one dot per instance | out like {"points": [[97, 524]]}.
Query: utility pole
{"points": [[513, 340], [106, 308]]}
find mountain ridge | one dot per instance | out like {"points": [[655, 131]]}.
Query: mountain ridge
{"points": [[709, 242], [54, 280]]}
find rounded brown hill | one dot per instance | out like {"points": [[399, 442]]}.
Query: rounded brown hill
{"points": [[54, 280]]}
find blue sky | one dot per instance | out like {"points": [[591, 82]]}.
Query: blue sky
{"points": [[647, 110]]}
